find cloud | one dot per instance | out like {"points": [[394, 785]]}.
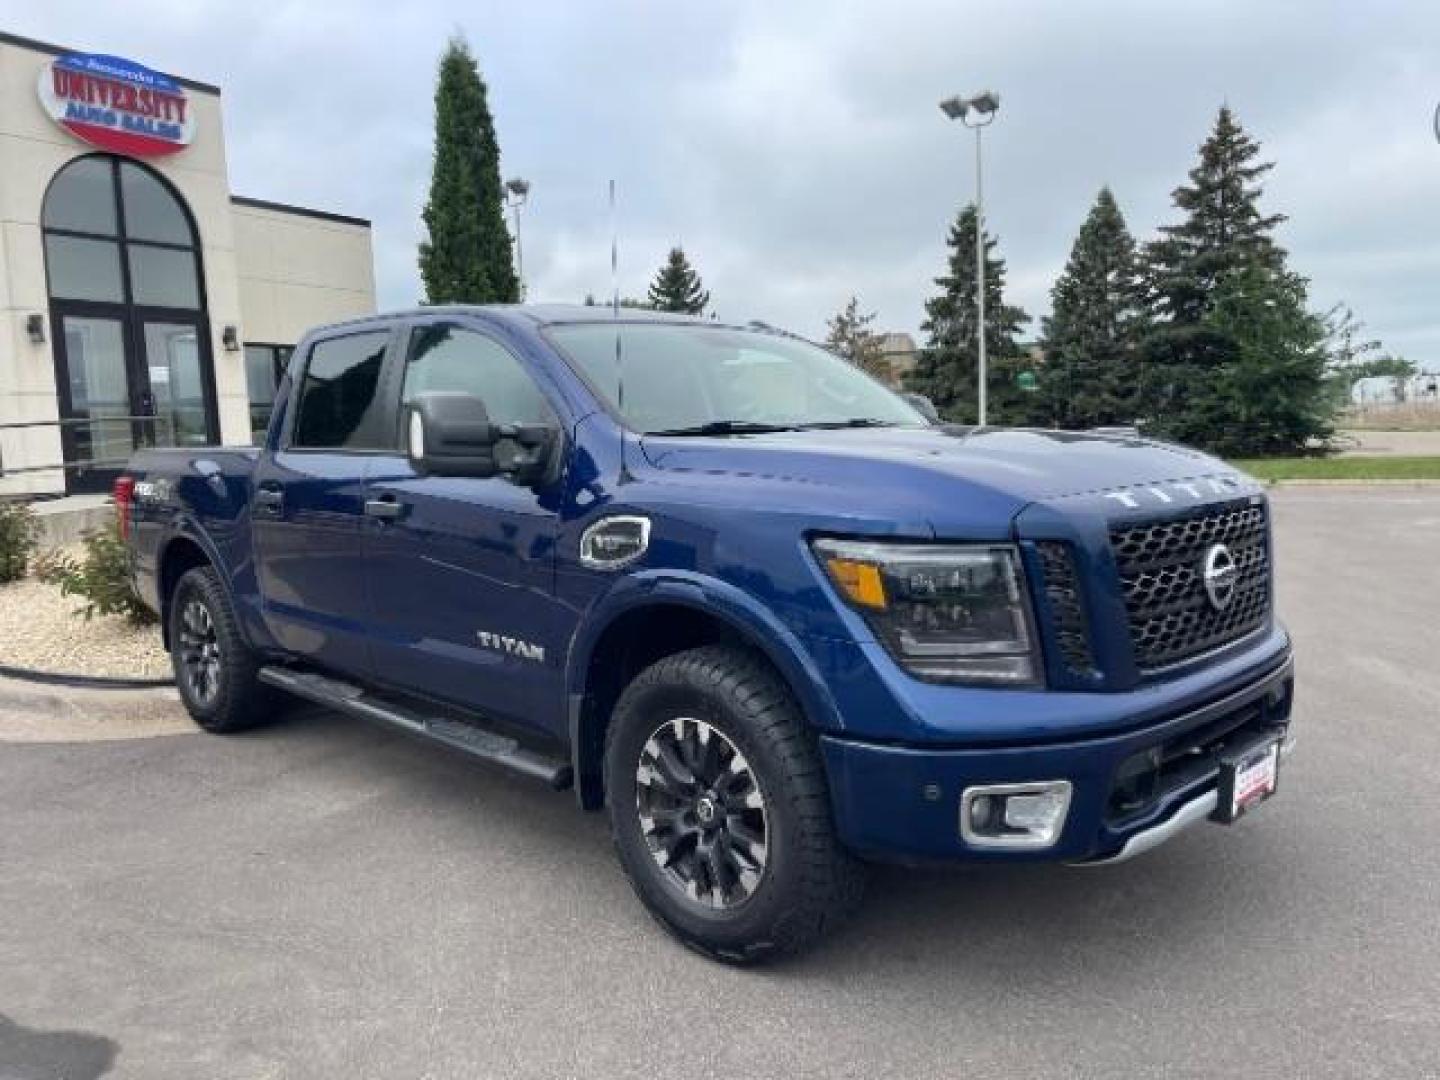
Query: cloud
{"points": [[796, 149]]}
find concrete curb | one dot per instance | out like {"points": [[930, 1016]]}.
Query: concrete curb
{"points": [[31, 713], [1337, 482]]}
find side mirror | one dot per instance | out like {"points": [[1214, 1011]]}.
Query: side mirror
{"points": [[923, 405], [448, 433]]}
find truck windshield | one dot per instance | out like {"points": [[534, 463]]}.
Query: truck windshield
{"points": [[711, 380]]}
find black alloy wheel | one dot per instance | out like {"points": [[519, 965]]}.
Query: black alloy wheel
{"points": [[719, 807], [216, 671], [199, 652], [702, 812]]}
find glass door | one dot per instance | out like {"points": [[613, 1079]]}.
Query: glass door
{"points": [[129, 378], [98, 402], [175, 374]]}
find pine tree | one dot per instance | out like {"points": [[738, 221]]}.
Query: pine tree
{"points": [[946, 369], [1198, 361], [677, 286], [467, 256], [851, 338], [1096, 321], [1272, 396], [1223, 229]]}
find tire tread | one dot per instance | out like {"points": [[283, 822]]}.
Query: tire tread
{"points": [[832, 880], [244, 701]]}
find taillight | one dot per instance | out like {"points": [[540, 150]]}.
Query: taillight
{"points": [[124, 495]]}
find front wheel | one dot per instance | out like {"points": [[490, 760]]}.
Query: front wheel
{"points": [[719, 808]]}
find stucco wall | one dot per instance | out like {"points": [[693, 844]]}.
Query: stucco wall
{"points": [[32, 149], [297, 270], [270, 273]]}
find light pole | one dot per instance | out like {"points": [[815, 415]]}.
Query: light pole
{"points": [[977, 112], [516, 192]]}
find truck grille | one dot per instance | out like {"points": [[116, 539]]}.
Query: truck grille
{"points": [[1160, 565]]}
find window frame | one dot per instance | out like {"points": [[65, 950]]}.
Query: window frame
{"points": [[122, 240], [299, 367]]}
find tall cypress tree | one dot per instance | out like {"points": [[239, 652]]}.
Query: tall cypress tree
{"points": [[1223, 300], [1096, 321], [467, 257], [677, 286], [946, 369]]}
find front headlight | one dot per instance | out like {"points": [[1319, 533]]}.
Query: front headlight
{"points": [[947, 613]]}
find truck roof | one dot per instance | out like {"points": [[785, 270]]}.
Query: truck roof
{"points": [[535, 314]]}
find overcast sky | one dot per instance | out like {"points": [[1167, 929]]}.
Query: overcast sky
{"points": [[795, 148]]}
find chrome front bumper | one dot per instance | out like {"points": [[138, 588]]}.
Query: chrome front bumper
{"points": [[1196, 810]]}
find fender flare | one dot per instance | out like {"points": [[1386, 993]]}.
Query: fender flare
{"points": [[755, 623], [183, 526]]}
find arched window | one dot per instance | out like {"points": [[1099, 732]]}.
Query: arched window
{"points": [[133, 364], [115, 232]]}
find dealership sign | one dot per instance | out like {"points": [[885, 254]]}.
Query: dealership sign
{"points": [[117, 104]]}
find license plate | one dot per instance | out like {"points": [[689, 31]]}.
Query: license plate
{"points": [[1248, 776]]}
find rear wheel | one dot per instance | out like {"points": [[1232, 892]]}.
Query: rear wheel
{"points": [[216, 672], [719, 808]]}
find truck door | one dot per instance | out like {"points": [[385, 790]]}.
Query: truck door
{"points": [[462, 569], [308, 503]]}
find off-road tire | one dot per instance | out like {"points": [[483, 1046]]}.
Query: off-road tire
{"points": [[810, 883], [239, 700]]}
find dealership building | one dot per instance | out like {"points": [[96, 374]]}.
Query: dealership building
{"points": [[141, 302]]}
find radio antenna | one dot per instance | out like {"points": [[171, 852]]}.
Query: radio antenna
{"points": [[615, 316], [614, 257]]}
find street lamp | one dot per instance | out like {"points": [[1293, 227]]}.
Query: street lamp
{"points": [[977, 112], [516, 192]]}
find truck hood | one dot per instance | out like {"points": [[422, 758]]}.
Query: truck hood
{"points": [[953, 476]]}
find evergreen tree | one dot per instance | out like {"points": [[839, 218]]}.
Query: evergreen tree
{"points": [[1223, 229], [467, 257], [1271, 397], [677, 286], [946, 369], [1195, 358], [625, 302], [851, 338], [1095, 325]]}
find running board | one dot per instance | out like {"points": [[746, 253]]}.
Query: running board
{"points": [[469, 738]]}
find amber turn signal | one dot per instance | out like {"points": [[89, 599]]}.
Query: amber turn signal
{"points": [[860, 582]]}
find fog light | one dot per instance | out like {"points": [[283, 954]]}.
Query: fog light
{"points": [[1014, 816]]}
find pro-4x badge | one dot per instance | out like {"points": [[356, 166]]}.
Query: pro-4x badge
{"points": [[523, 650]]}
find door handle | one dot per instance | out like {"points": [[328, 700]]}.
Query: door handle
{"points": [[269, 500], [385, 508]]}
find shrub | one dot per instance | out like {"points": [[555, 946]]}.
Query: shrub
{"points": [[19, 535], [101, 575]]}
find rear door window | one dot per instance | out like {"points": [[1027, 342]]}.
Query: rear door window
{"points": [[339, 400]]}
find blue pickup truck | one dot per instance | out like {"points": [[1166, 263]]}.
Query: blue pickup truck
{"points": [[767, 614]]}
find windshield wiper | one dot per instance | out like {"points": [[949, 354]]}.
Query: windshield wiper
{"points": [[853, 422], [726, 427]]}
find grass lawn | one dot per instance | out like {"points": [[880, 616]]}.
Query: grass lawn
{"points": [[1342, 468]]}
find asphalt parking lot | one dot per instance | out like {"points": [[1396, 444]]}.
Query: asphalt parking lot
{"points": [[321, 899]]}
